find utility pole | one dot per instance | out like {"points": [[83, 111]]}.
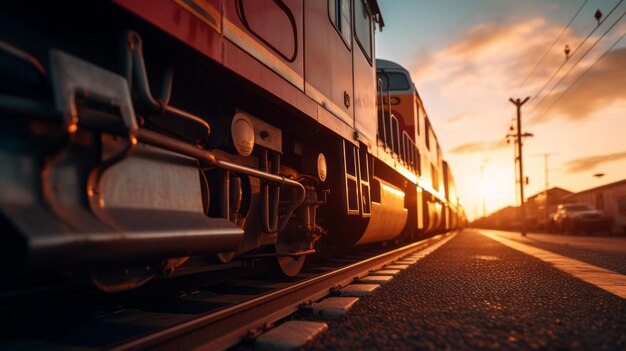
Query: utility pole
{"points": [[482, 180], [516, 159], [518, 103], [545, 168], [545, 172], [546, 183], [515, 165]]}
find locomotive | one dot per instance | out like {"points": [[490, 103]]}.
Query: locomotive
{"points": [[149, 138]]}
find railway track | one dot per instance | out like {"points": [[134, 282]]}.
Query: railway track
{"points": [[214, 318]]}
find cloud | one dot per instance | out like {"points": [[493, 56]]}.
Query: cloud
{"points": [[480, 146], [601, 87], [493, 52], [587, 163], [489, 37], [493, 60], [460, 117]]}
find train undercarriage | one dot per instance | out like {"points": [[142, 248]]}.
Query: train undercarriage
{"points": [[128, 157]]}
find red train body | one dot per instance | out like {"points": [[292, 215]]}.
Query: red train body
{"points": [[226, 130]]}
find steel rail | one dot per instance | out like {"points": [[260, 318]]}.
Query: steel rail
{"points": [[225, 327]]}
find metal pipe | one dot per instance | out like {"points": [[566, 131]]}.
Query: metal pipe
{"points": [[138, 75], [270, 197], [286, 254], [170, 110], [17, 106], [163, 141], [166, 85], [24, 57], [160, 140]]}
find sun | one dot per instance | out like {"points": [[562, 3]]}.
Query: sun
{"points": [[497, 185]]}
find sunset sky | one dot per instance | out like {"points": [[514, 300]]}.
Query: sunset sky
{"points": [[467, 58]]}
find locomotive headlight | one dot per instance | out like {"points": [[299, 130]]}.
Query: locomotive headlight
{"points": [[322, 168], [242, 132]]}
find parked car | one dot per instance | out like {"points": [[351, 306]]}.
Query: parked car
{"points": [[581, 216]]}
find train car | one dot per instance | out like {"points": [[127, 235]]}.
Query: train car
{"points": [[408, 133], [145, 138], [452, 209]]}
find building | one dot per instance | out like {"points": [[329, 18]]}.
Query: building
{"points": [[610, 198], [504, 219]]}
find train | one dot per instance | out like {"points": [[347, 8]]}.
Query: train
{"points": [[145, 139]]}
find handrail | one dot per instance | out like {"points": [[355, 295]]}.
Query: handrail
{"points": [[382, 112], [388, 116], [395, 134], [409, 152], [23, 56], [404, 150], [137, 77]]}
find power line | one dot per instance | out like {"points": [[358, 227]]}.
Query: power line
{"points": [[530, 74], [551, 46], [582, 75], [576, 63], [572, 54], [575, 50]]}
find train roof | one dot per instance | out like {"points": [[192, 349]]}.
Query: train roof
{"points": [[378, 16], [386, 64]]}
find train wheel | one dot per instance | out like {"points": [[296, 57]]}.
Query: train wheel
{"points": [[124, 278], [286, 266]]}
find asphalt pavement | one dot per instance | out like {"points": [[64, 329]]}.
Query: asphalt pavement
{"points": [[605, 252], [476, 293]]}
